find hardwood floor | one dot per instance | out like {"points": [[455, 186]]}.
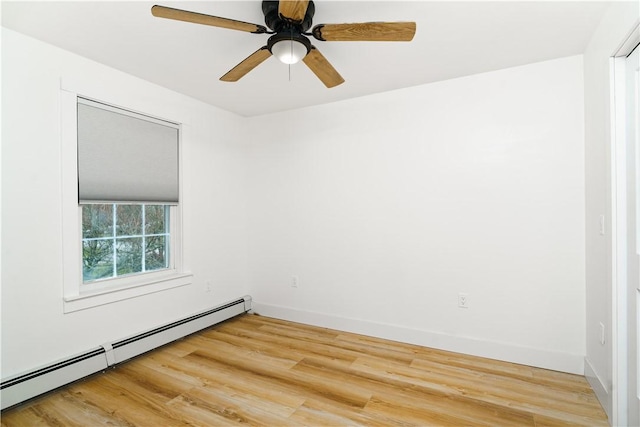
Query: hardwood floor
{"points": [[254, 370]]}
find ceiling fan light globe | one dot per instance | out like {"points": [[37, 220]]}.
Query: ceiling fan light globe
{"points": [[289, 51]]}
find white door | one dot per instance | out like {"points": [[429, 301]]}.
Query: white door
{"points": [[632, 89]]}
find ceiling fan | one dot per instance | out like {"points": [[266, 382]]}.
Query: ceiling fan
{"points": [[289, 21]]}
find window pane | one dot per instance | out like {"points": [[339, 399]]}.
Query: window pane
{"points": [[140, 244], [155, 219], [128, 256], [129, 220], [97, 221], [156, 253], [97, 259]]}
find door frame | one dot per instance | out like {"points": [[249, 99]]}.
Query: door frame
{"points": [[620, 320]]}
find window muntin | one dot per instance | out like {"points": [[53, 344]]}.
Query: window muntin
{"points": [[124, 239]]}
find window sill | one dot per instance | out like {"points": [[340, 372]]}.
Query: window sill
{"points": [[106, 296]]}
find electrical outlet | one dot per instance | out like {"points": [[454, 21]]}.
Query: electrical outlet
{"points": [[601, 333], [463, 300], [294, 281], [208, 287]]}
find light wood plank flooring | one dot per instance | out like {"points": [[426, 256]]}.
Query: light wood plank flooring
{"points": [[254, 370]]}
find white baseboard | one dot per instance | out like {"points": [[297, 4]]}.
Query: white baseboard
{"points": [[598, 386], [563, 362]]}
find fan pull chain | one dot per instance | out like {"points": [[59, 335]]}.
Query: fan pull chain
{"points": [[291, 53]]}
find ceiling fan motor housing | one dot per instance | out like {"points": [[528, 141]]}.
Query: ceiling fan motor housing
{"points": [[276, 23]]}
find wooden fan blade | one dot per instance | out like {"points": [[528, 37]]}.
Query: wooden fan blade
{"points": [[248, 64], [293, 10], [366, 31], [200, 18], [322, 68]]}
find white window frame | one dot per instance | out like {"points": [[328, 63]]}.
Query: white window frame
{"points": [[76, 294]]}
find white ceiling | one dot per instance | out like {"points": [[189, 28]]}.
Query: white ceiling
{"points": [[453, 39]]}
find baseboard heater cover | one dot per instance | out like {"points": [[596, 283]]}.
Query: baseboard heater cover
{"points": [[25, 386]]}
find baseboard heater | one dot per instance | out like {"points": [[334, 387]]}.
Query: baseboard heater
{"points": [[25, 386]]}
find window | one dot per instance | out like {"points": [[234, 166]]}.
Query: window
{"points": [[121, 210], [123, 239]]}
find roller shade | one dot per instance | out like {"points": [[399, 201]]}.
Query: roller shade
{"points": [[125, 157]]}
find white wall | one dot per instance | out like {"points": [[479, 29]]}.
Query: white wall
{"points": [[386, 207], [34, 329], [612, 31]]}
